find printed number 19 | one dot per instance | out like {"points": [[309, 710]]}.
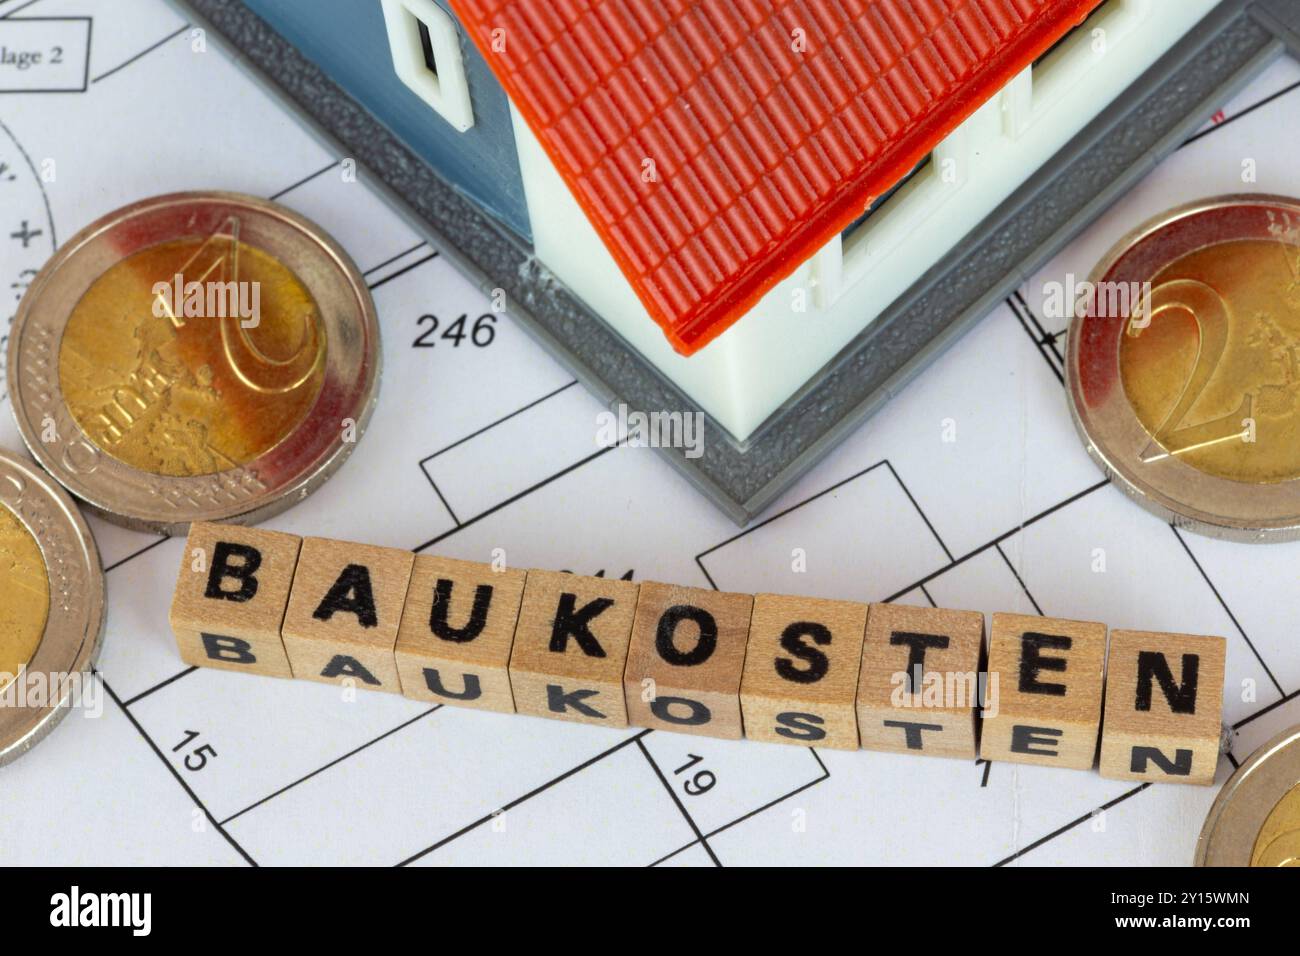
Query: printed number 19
{"points": [[701, 782]]}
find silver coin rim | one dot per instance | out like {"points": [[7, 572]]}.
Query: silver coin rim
{"points": [[98, 496], [1180, 514], [1215, 846], [74, 629]]}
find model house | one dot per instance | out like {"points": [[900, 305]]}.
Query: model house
{"points": [[737, 187]]}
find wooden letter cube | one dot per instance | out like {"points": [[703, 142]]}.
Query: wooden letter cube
{"points": [[453, 646], [230, 598], [686, 658], [801, 671], [1044, 693], [344, 611], [1164, 707], [570, 647], [919, 687]]}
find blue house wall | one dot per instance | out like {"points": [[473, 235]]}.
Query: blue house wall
{"points": [[347, 39]]}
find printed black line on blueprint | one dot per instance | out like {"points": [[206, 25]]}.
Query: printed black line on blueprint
{"points": [[153, 746], [10, 7], [829, 490], [142, 54], [1047, 346], [825, 775], [424, 465]]}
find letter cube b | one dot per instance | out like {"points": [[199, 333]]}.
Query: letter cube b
{"points": [[230, 598]]}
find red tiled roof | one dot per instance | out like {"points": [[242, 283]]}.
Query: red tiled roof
{"points": [[711, 154]]}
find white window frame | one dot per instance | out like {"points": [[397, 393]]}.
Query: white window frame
{"points": [[446, 90]]}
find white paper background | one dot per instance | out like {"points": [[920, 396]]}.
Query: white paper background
{"points": [[473, 449]]}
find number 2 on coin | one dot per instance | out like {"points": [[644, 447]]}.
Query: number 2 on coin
{"points": [[1212, 318]]}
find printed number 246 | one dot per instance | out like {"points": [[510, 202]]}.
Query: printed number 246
{"points": [[480, 334]]}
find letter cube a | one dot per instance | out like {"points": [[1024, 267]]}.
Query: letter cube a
{"points": [[230, 598], [344, 610], [571, 646]]}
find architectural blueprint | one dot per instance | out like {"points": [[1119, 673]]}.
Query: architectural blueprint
{"points": [[969, 490]]}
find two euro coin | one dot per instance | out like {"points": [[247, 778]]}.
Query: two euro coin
{"points": [[1255, 821], [52, 614], [1183, 366], [195, 356]]}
